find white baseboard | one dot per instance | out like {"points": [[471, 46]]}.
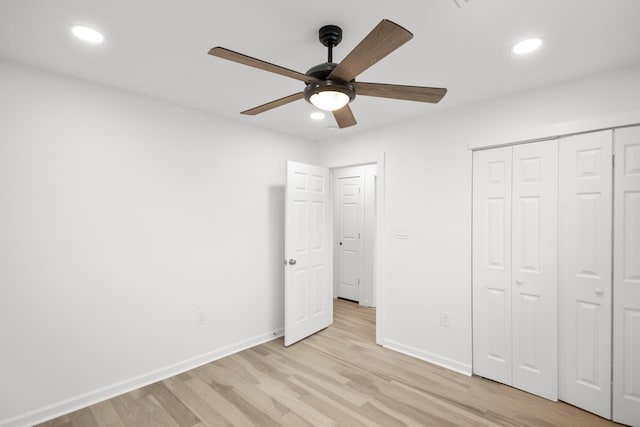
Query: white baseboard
{"points": [[101, 394], [445, 362]]}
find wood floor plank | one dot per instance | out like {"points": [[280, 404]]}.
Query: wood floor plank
{"points": [[230, 412], [256, 397], [346, 408], [205, 412], [106, 415], [83, 418], [141, 411], [292, 419], [338, 376], [174, 406], [309, 372]]}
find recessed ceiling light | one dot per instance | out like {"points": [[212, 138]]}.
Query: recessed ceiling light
{"points": [[526, 46], [87, 34], [317, 115]]}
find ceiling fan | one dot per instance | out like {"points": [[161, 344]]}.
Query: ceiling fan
{"points": [[331, 86]]}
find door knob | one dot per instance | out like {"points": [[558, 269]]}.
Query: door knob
{"points": [[598, 291], [519, 282], [340, 243], [292, 261]]}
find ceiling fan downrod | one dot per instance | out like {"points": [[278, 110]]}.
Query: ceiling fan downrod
{"points": [[330, 36]]}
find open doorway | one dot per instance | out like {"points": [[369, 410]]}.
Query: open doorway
{"points": [[354, 233], [354, 237], [309, 250]]}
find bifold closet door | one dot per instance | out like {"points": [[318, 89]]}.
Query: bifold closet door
{"points": [[585, 292], [492, 264], [626, 278], [515, 239], [535, 268]]}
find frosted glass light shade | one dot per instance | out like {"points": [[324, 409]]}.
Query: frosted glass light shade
{"points": [[329, 100]]}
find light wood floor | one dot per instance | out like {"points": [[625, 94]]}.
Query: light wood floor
{"points": [[336, 377]]}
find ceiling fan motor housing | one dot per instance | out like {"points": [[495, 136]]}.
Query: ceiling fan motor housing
{"points": [[321, 72], [329, 36]]}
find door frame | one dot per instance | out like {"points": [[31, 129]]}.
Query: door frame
{"points": [[378, 267]]}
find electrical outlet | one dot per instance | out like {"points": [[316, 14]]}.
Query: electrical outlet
{"points": [[201, 318], [444, 319]]}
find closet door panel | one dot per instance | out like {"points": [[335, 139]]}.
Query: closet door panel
{"points": [[534, 268], [585, 271], [626, 278], [492, 264]]}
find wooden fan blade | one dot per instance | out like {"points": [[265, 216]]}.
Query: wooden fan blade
{"points": [[230, 55], [386, 37], [273, 104], [345, 117], [409, 93]]}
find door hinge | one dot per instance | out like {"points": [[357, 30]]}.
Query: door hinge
{"points": [[613, 159], [358, 282], [358, 190], [358, 235]]}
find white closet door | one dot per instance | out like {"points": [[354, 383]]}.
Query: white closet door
{"points": [[535, 268], [492, 264], [626, 280], [585, 271]]}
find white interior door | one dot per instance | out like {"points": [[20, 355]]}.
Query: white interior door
{"points": [[349, 230], [492, 264], [626, 278], [535, 268], [585, 271], [308, 251]]}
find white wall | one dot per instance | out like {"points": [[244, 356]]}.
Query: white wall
{"points": [[428, 197], [120, 217]]}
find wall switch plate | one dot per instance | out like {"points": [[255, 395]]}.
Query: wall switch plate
{"points": [[201, 318], [401, 234], [444, 319]]}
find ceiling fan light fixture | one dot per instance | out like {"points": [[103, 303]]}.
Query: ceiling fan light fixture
{"points": [[329, 100], [317, 115], [329, 95]]}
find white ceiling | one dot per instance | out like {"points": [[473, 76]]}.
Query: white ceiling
{"points": [[158, 48]]}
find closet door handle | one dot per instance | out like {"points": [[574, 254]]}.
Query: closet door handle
{"points": [[598, 291], [519, 282]]}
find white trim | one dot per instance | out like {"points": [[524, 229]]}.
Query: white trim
{"points": [[379, 249], [81, 401], [445, 362], [368, 298], [628, 118]]}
